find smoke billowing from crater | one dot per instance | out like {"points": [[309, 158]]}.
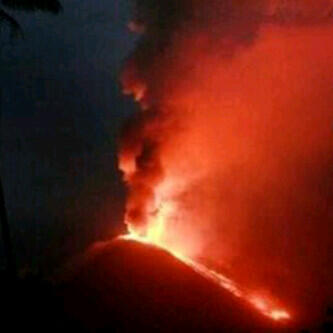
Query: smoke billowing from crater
{"points": [[233, 146]]}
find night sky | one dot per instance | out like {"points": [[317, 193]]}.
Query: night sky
{"points": [[62, 110]]}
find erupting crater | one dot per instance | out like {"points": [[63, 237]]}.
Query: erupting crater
{"points": [[266, 306]]}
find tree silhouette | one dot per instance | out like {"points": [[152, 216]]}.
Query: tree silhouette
{"points": [[51, 6]]}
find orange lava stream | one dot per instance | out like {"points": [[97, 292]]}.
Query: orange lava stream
{"points": [[264, 305]]}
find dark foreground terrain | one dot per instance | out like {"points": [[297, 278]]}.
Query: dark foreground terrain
{"points": [[125, 286]]}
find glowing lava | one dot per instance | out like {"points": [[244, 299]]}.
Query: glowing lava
{"points": [[154, 236]]}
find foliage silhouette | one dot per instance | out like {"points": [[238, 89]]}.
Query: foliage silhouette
{"points": [[51, 6]]}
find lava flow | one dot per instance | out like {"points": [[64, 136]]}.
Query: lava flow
{"points": [[154, 237]]}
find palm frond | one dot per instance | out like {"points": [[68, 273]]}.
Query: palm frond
{"points": [[13, 25], [52, 6]]}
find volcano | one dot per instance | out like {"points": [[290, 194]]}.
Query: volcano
{"points": [[129, 286]]}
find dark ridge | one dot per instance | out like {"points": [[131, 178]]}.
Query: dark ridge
{"points": [[132, 286]]}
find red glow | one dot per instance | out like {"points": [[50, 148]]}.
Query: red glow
{"points": [[230, 157], [154, 235]]}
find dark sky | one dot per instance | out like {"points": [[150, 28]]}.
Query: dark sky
{"points": [[61, 113]]}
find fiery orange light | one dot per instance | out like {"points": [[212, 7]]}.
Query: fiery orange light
{"points": [[154, 236], [230, 155]]}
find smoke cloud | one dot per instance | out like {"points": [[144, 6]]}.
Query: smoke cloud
{"points": [[234, 140]]}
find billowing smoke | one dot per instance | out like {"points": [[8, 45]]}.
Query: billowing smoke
{"points": [[233, 145]]}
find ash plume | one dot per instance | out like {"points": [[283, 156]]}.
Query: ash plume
{"points": [[235, 133]]}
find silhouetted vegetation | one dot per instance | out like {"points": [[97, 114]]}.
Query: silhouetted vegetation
{"points": [[51, 6]]}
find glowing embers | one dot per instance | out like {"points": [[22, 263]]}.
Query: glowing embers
{"points": [[265, 306], [157, 224], [160, 212]]}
